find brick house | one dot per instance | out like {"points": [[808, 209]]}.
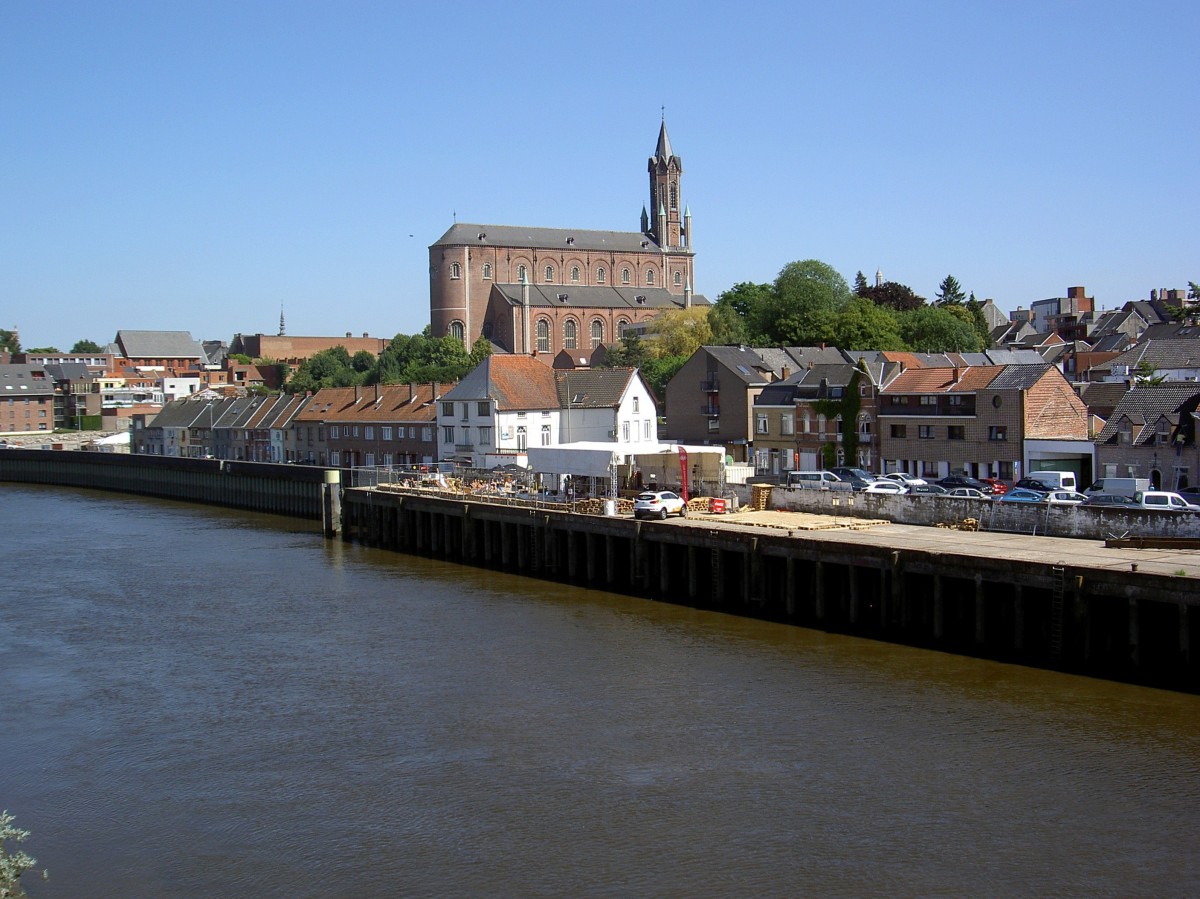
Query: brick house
{"points": [[26, 399], [1152, 434], [381, 425], [986, 421]]}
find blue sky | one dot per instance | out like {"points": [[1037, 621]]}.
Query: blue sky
{"points": [[194, 166]]}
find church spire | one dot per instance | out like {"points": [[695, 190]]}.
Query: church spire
{"points": [[665, 170]]}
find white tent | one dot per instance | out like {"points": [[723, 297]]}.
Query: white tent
{"points": [[598, 460]]}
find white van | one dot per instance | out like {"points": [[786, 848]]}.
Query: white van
{"points": [[1120, 486], [822, 480], [1055, 480], [1162, 499]]}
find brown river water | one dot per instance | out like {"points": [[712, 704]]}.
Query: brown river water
{"points": [[196, 702]]}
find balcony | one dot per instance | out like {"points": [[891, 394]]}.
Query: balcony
{"points": [[711, 411], [710, 386]]}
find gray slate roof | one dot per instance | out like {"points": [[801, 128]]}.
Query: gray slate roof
{"points": [[160, 345], [558, 239], [1162, 354], [595, 297], [1018, 377], [1146, 405], [593, 388], [24, 380]]}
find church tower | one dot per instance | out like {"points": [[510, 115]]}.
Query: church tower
{"points": [[666, 224]]}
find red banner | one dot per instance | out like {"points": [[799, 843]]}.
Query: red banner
{"points": [[683, 474]]}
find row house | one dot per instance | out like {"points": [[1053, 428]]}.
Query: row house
{"points": [[26, 399], [710, 401], [987, 421], [1152, 434], [381, 425], [508, 403], [819, 417]]}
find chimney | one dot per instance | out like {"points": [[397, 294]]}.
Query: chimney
{"points": [[412, 392], [787, 373], [377, 396], [357, 393], [954, 375], [365, 334], [348, 334]]}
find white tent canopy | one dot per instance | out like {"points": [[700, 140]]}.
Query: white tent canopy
{"points": [[595, 459]]}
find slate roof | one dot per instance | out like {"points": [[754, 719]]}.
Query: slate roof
{"points": [[593, 388], [159, 345], [1019, 377], [24, 380], [1145, 406], [183, 413], [558, 239], [69, 371], [595, 296], [1161, 354], [1101, 397]]}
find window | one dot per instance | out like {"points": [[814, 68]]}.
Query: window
{"points": [[678, 279], [487, 271], [448, 410], [624, 276], [649, 277], [466, 436], [549, 273], [635, 403], [762, 424], [482, 409], [805, 422], [597, 333], [457, 331], [335, 458], [369, 432], [369, 460], [385, 433], [956, 432], [625, 432], [543, 335], [622, 324], [787, 424], [575, 273], [455, 270], [899, 400], [998, 432], [356, 430], [485, 436], [955, 399], [333, 432], [570, 334], [925, 432], [448, 435], [522, 438], [674, 195], [426, 433], [466, 412], [600, 275], [929, 401], [522, 274], [545, 435], [388, 459]]}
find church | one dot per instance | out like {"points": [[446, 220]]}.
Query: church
{"points": [[563, 293]]}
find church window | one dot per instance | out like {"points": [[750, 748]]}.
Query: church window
{"points": [[456, 330], [455, 270], [678, 279], [522, 274], [600, 275], [674, 195], [543, 335], [487, 270], [575, 273], [622, 324], [649, 277], [570, 335], [624, 276], [597, 332], [549, 273]]}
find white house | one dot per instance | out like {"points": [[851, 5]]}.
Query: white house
{"points": [[510, 403]]}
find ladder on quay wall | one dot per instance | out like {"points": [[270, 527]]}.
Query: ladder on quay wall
{"points": [[1058, 590]]}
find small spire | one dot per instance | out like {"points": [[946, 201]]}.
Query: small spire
{"points": [[878, 277], [663, 150], [282, 325], [687, 211]]}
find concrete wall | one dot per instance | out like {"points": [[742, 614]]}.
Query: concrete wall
{"points": [[1019, 518]]}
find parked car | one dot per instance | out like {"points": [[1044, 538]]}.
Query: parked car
{"points": [[926, 489], [962, 480], [1021, 495], [1064, 498], [1109, 500], [967, 493], [903, 477], [1163, 499], [999, 488], [1055, 480], [858, 478], [658, 504], [821, 479], [1032, 484], [890, 487], [1123, 486]]}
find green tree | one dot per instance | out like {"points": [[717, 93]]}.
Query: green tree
{"points": [[950, 292], [1193, 292], [864, 326], [328, 368], [86, 346], [860, 284], [9, 341], [730, 317], [1146, 375], [801, 308], [480, 350], [420, 357], [363, 361], [680, 332], [43, 349], [934, 329], [15, 861], [979, 321], [630, 352], [894, 296], [240, 358], [658, 372]]}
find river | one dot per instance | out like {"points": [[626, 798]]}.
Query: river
{"points": [[198, 702]]}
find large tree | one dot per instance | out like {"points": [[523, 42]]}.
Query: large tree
{"points": [[864, 326], [328, 368], [894, 296], [731, 316], [950, 292], [86, 346], [680, 332], [419, 357], [801, 308], [9, 341], [934, 329]]}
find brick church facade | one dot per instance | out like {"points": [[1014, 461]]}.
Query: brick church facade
{"points": [[551, 291]]}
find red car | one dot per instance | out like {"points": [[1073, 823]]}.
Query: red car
{"points": [[999, 488]]}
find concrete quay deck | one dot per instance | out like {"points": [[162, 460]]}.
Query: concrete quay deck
{"points": [[1066, 603]]}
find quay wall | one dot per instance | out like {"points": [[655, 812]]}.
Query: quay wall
{"points": [[1089, 620], [1084, 522], [295, 490]]}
